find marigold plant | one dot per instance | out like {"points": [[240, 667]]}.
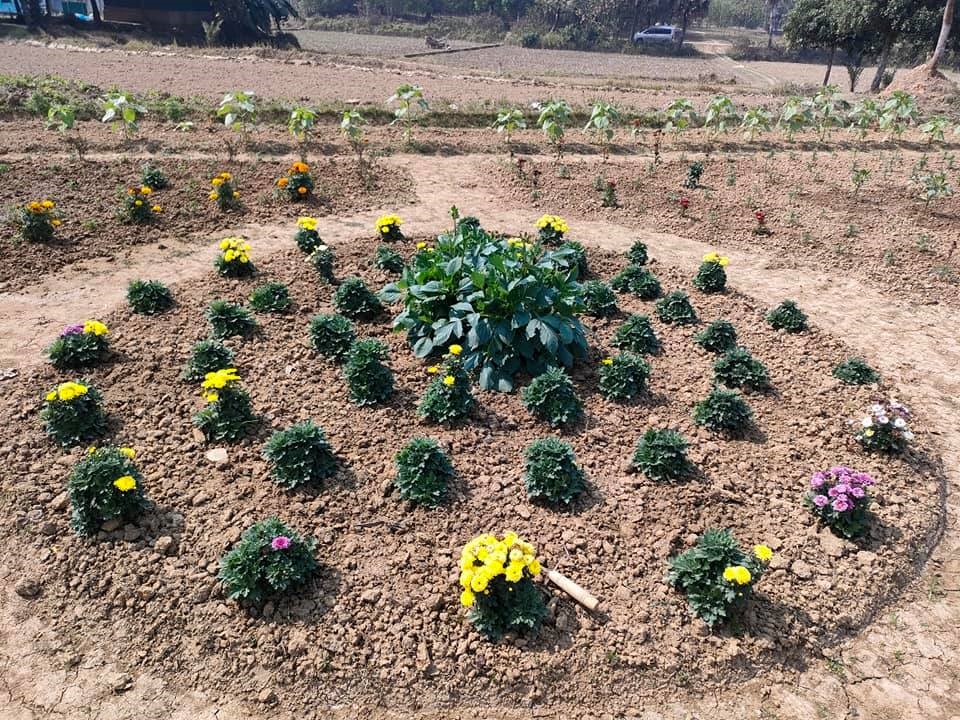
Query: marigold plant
{"points": [[105, 485], [423, 472], [228, 415], [661, 455], [332, 336], [38, 220], [139, 207], [81, 345], [299, 455], [229, 320], [149, 297], [598, 299], [637, 280], [723, 411], [234, 258], [552, 473], [388, 228], [207, 356], [307, 237], [354, 300], [623, 377], [638, 254], [369, 380], [637, 336], [271, 297], [718, 337], [297, 184], [840, 498], [787, 316], [552, 397], [449, 396], [885, 427], [224, 192], [388, 260], [551, 229], [72, 413], [322, 259], [711, 277], [737, 368], [496, 577], [153, 177], [676, 308], [855, 371]]}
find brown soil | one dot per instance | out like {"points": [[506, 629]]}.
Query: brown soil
{"points": [[935, 92]]}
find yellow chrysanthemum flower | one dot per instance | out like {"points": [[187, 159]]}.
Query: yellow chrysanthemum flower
{"points": [[307, 223], [146, 190], [449, 380], [214, 196], [723, 261], [607, 361], [467, 598], [56, 223], [125, 483], [220, 379], [455, 349], [129, 453], [737, 574], [762, 553], [96, 327], [226, 176], [48, 204], [433, 369], [51, 396], [217, 182], [156, 208], [421, 245]]}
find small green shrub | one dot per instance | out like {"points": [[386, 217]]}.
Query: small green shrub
{"points": [[737, 368], [105, 485], [270, 297], [552, 471], [551, 397], [229, 320], [323, 260], [638, 281], [636, 335], [423, 472], [354, 300], [207, 356], [388, 260], [711, 276], [449, 396], [153, 177], [307, 238], [299, 455], [661, 455], [228, 415], [599, 299], [787, 316], [718, 337], [72, 413], [332, 336], [854, 371], [269, 559], [624, 377], [575, 255], [149, 297], [369, 380], [37, 221], [716, 575], [637, 254], [676, 308], [723, 411], [78, 346]]}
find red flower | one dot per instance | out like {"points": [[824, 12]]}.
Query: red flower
{"points": [[684, 202], [760, 216]]}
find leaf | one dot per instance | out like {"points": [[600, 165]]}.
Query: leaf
{"points": [[423, 347]]}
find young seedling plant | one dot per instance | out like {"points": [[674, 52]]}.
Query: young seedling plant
{"points": [[238, 110], [409, 99], [553, 120], [351, 127], [508, 122], [301, 123], [63, 119], [120, 109], [603, 118]]}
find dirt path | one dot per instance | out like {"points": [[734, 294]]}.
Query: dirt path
{"points": [[904, 666]]}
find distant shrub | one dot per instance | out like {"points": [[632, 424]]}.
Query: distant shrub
{"points": [[81, 345], [449, 396], [599, 299], [307, 238], [332, 336], [354, 300], [269, 559], [105, 485], [388, 259], [270, 297], [637, 254], [149, 297], [530, 40], [661, 455], [423, 472], [787, 316], [723, 411], [840, 499], [711, 276], [637, 336], [369, 380], [676, 308], [854, 371], [551, 397], [737, 368], [623, 377], [638, 281], [72, 413], [229, 320], [228, 415], [718, 337], [299, 455], [207, 356], [552, 471]]}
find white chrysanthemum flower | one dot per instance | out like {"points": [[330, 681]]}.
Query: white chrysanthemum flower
{"points": [[867, 422], [900, 423], [908, 435]]}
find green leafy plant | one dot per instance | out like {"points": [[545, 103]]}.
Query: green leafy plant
{"points": [[307, 238], [423, 472], [638, 281], [723, 411], [623, 377], [884, 427], [553, 120], [599, 300], [720, 116], [228, 415], [661, 455], [301, 124], [603, 119], [718, 337], [270, 559], [153, 177], [711, 276], [270, 297], [737, 368], [37, 221], [369, 380], [508, 122], [224, 192], [551, 397], [72, 413], [138, 207], [354, 300], [898, 112], [351, 127], [716, 575], [934, 128], [388, 260], [63, 119], [234, 258], [511, 305], [332, 336], [756, 121], [323, 260], [149, 297], [229, 320], [694, 173], [573, 255], [637, 336], [787, 316], [637, 254], [409, 99], [105, 485], [81, 345], [679, 115], [299, 455], [207, 356], [238, 110], [855, 371], [675, 308], [795, 116], [449, 396], [120, 109], [552, 471]]}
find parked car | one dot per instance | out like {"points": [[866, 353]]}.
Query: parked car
{"points": [[657, 34]]}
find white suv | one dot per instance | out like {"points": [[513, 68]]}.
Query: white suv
{"points": [[657, 34]]}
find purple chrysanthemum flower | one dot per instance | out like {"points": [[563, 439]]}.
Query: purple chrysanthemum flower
{"points": [[841, 504], [72, 330], [280, 542], [820, 500], [857, 492]]}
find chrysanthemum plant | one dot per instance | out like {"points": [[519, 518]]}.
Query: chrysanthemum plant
{"points": [[711, 276], [598, 299], [270, 559], [885, 427], [332, 336], [718, 337], [234, 258], [369, 380], [81, 345], [724, 411], [38, 220], [737, 368], [388, 228], [551, 229], [661, 455], [297, 184], [496, 577], [638, 281], [307, 238], [229, 320], [423, 472], [716, 575], [675, 308], [624, 376], [855, 371], [840, 499], [552, 473], [224, 192], [72, 413], [207, 356], [228, 415], [787, 316], [354, 300], [271, 297], [552, 397], [449, 397], [636, 335], [149, 297], [105, 485], [388, 260], [299, 455]]}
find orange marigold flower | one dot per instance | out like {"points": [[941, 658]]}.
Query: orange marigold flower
{"points": [[302, 190], [282, 182]]}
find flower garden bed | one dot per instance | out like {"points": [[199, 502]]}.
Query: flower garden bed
{"points": [[382, 618]]}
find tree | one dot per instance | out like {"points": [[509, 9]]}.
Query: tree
{"points": [[251, 18], [942, 39], [687, 9]]}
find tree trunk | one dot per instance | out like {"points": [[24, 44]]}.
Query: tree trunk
{"points": [[826, 78], [95, 8], [944, 34], [636, 17], [881, 66], [770, 25], [683, 28]]}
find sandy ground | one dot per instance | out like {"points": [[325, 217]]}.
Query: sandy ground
{"points": [[905, 666]]}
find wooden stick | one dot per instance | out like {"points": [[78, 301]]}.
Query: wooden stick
{"points": [[572, 589]]}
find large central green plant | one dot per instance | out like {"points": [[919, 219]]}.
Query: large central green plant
{"points": [[510, 304]]}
